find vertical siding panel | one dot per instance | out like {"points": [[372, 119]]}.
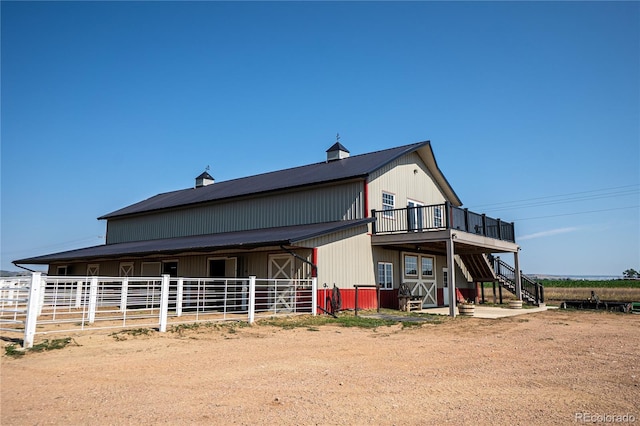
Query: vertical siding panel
{"points": [[316, 205]]}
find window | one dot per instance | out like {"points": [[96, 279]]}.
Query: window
{"points": [[437, 216], [63, 270], [388, 204], [427, 266], [411, 265], [385, 275]]}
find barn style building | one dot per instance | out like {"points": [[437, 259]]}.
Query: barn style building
{"points": [[388, 217]]}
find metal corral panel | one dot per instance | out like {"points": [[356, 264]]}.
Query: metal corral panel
{"points": [[408, 179], [315, 205]]}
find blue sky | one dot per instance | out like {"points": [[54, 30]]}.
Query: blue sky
{"points": [[532, 109]]}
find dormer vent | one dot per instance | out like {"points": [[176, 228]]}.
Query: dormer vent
{"points": [[204, 179], [337, 152]]}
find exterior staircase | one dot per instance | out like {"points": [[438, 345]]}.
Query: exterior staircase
{"points": [[485, 268]]}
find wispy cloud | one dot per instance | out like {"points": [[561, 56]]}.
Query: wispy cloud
{"points": [[548, 233]]}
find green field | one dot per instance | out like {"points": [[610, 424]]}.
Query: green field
{"points": [[591, 284]]}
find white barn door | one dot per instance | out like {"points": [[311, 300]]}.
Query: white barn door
{"points": [[282, 288]]}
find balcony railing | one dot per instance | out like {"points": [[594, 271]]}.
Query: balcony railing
{"points": [[438, 217]]}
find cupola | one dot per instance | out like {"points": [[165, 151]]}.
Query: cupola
{"points": [[204, 179], [337, 151]]}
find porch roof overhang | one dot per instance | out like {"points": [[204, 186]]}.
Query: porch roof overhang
{"points": [[435, 242], [241, 240]]}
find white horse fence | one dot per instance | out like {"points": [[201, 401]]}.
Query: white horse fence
{"points": [[46, 304]]}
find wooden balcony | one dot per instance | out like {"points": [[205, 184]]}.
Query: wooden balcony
{"points": [[440, 217]]}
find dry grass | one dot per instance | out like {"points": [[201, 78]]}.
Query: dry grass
{"points": [[559, 294]]}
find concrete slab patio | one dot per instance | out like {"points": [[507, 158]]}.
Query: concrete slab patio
{"points": [[488, 312]]}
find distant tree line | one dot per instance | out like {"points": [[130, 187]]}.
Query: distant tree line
{"points": [[630, 274]]}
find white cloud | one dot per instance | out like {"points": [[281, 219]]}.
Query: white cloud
{"points": [[548, 233]]}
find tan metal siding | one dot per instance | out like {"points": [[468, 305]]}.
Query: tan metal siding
{"points": [[325, 204], [346, 262], [408, 179]]}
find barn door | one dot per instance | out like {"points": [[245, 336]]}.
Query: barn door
{"points": [[282, 289], [418, 275]]}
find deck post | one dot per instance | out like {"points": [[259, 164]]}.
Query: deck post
{"points": [[373, 224], [518, 277], [451, 276], [32, 310]]}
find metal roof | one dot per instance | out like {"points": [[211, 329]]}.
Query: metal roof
{"points": [[358, 166], [287, 235]]}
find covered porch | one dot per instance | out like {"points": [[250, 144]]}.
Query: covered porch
{"points": [[465, 239]]}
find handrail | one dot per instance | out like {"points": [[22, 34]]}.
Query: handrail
{"points": [[528, 285], [438, 217]]}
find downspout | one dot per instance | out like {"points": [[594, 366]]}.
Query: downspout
{"points": [[314, 267]]}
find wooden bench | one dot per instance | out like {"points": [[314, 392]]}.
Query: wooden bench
{"points": [[414, 304]]}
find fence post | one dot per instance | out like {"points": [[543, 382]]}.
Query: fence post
{"points": [[124, 293], [179, 295], [93, 299], [252, 298], [314, 296], [35, 289], [164, 302], [79, 287], [43, 286]]}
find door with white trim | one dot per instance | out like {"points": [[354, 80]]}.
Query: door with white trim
{"points": [[415, 215], [282, 288], [419, 276]]}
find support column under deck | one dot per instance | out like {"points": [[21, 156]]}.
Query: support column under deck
{"points": [[518, 278], [451, 277]]}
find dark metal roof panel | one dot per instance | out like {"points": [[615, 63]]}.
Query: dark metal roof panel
{"points": [[347, 168], [241, 239]]}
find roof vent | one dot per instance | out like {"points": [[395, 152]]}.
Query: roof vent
{"points": [[204, 179], [337, 151]]}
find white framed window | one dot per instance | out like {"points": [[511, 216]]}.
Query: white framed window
{"points": [[63, 270], [385, 275], [388, 204], [427, 266], [410, 265]]}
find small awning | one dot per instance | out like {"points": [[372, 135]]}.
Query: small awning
{"points": [[287, 235]]}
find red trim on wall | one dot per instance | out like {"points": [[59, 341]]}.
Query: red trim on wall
{"points": [[314, 260]]}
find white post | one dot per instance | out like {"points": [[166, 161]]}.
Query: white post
{"points": [[93, 299], [179, 295], [314, 296], [164, 302], [35, 289], [252, 299], [518, 277], [451, 277], [124, 294], [79, 285], [43, 286]]}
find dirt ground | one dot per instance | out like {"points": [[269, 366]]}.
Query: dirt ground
{"points": [[554, 367]]}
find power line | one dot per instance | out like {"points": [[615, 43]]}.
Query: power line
{"points": [[577, 213], [557, 196], [568, 200]]}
